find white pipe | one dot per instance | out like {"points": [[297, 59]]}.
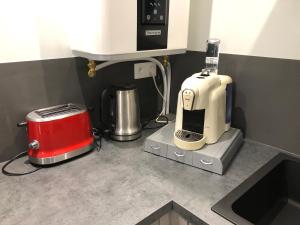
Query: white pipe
{"points": [[156, 87], [169, 72], [163, 72]]}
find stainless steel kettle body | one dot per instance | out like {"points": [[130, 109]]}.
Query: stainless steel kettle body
{"points": [[121, 113]]}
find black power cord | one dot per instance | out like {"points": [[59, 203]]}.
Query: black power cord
{"points": [[7, 173], [97, 139], [145, 125]]}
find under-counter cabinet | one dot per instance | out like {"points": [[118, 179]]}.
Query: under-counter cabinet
{"points": [[172, 218]]}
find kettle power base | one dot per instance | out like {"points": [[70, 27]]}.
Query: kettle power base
{"points": [[214, 157], [126, 137]]}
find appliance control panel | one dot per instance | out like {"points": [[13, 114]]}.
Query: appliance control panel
{"points": [[188, 99], [152, 24], [154, 12]]}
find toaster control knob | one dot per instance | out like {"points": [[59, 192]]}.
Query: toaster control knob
{"points": [[34, 145]]}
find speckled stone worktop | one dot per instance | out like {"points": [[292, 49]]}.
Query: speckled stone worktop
{"points": [[120, 185]]}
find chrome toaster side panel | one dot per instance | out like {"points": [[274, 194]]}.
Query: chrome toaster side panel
{"points": [[59, 158]]}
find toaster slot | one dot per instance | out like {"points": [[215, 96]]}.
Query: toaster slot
{"points": [[58, 110]]}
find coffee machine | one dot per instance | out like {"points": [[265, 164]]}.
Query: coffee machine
{"points": [[203, 110], [203, 117]]}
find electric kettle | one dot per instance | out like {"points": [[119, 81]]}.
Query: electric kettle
{"points": [[120, 112]]}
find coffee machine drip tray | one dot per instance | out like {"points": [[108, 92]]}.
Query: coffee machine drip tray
{"points": [[213, 157], [188, 136]]}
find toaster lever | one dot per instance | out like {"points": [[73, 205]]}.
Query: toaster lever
{"points": [[34, 145], [22, 124]]}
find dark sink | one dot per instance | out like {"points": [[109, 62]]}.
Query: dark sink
{"points": [[269, 196]]}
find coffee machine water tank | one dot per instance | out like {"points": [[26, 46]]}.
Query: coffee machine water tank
{"points": [[126, 29]]}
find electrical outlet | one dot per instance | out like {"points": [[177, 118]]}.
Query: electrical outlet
{"points": [[144, 70]]}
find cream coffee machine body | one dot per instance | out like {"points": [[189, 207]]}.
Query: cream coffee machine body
{"points": [[203, 110]]}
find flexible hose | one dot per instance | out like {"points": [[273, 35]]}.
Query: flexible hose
{"points": [[169, 72]]}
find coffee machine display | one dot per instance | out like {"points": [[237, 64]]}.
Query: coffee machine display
{"points": [[203, 110], [120, 112]]}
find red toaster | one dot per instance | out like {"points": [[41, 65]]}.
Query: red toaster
{"points": [[58, 133]]}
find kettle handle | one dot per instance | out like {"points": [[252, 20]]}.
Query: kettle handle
{"points": [[107, 108]]}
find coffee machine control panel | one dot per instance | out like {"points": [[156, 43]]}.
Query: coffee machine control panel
{"points": [[188, 97]]}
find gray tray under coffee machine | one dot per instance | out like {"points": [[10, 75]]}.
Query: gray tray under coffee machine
{"points": [[214, 157]]}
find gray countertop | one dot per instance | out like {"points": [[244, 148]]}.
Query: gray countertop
{"points": [[120, 185]]}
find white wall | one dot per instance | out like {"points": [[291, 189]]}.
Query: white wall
{"points": [[200, 23], [33, 29], [269, 28]]}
